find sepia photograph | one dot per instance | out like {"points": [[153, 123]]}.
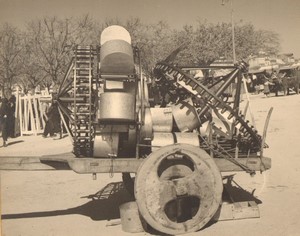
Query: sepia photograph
{"points": [[149, 117]]}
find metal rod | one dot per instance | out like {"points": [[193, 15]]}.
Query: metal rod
{"points": [[71, 65], [232, 29], [233, 33]]}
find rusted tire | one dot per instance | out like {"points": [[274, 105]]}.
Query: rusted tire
{"points": [[178, 189]]}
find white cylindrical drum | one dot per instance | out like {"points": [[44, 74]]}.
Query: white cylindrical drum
{"points": [[117, 106], [185, 116], [161, 139], [162, 119], [188, 138], [131, 220], [164, 139], [114, 32]]}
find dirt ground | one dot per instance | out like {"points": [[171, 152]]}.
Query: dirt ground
{"points": [[64, 203]]}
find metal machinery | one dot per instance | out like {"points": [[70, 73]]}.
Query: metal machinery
{"points": [[177, 147]]}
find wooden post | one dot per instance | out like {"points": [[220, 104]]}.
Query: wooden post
{"points": [[248, 100], [37, 113], [25, 114], [20, 114], [42, 111], [33, 128]]}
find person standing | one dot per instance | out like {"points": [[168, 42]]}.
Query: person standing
{"points": [[4, 113], [267, 84], [275, 81], [53, 121], [297, 79], [11, 116]]}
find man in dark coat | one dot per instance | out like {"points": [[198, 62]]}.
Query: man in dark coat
{"points": [[11, 116], [275, 81], [297, 79], [53, 122], [4, 113]]}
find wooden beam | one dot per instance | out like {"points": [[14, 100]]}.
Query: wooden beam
{"points": [[237, 210], [67, 161], [30, 164]]}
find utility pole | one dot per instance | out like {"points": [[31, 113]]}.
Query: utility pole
{"points": [[232, 29]]}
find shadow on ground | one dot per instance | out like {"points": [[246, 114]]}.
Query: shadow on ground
{"points": [[14, 142], [233, 192], [104, 205]]}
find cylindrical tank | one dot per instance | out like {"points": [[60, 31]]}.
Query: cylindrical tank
{"points": [[161, 139], [162, 119], [185, 116], [117, 106], [106, 144], [114, 32], [164, 139], [116, 57]]}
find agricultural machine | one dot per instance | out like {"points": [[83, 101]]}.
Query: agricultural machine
{"points": [[177, 148]]}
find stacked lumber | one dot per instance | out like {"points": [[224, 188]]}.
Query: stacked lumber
{"points": [[31, 113]]}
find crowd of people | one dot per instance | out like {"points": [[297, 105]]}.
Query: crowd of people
{"points": [[273, 82], [7, 118]]}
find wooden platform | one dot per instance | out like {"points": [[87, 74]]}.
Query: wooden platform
{"points": [[237, 210], [67, 161]]}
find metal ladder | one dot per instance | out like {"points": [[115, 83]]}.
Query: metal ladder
{"points": [[83, 103]]}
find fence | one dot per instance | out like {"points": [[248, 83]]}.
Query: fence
{"points": [[30, 113]]}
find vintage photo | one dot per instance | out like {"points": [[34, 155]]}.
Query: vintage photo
{"points": [[149, 117]]}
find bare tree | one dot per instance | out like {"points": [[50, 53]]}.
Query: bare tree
{"points": [[43, 54], [50, 45], [10, 54], [155, 41], [208, 42], [32, 75]]}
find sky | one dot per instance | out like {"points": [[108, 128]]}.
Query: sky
{"points": [[281, 16]]}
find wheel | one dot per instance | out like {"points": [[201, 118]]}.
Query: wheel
{"points": [[76, 98], [178, 189]]}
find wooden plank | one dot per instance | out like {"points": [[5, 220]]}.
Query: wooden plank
{"points": [[42, 112], [93, 165], [265, 131], [30, 164], [83, 165], [106, 165], [21, 116], [32, 122], [66, 126], [26, 114], [37, 113], [254, 163], [237, 211], [17, 115], [248, 103]]}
